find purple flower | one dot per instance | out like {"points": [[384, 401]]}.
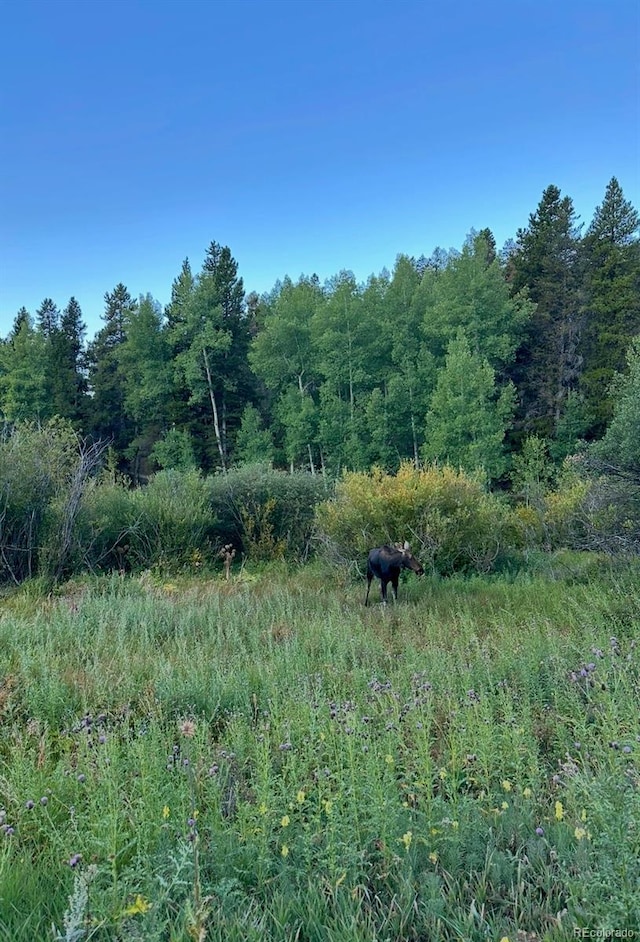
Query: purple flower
{"points": [[44, 800], [30, 804], [82, 778], [540, 831], [74, 860], [626, 749], [285, 746]]}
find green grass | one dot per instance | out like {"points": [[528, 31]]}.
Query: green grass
{"points": [[267, 759]]}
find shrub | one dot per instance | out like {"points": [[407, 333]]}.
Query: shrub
{"points": [[168, 522], [265, 513], [44, 472], [451, 519]]}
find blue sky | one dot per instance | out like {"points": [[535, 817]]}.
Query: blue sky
{"points": [[307, 135]]}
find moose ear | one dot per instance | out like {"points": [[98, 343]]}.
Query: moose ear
{"points": [[406, 547]]}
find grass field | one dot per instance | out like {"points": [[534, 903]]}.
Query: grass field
{"points": [[266, 759]]}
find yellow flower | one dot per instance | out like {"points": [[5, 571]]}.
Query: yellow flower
{"points": [[327, 806], [166, 812], [406, 839], [505, 938], [301, 797], [559, 811], [506, 784], [322, 737], [139, 905], [388, 759], [284, 821], [442, 773], [433, 857], [580, 833], [527, 792], [455, 825], [284, 850], [504, 805], [583, 815], [262, 807], [434, 831]]}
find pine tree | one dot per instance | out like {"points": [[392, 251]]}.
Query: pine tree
{"points": [[612, 268], [546, 265], [68, 366], [108, 420]]}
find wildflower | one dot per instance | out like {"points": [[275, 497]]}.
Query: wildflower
{"points": [[300, 797], [284, 850], [166, 812], [559, 811], [443, 774], [29, 805], [74, 860], [433, 857], [626, 749], [139, 905], [262, 807], [527, 792], [506, 784], [188, 729], [505, 938], [580, 833], [285, 746], [583, 815], [8, 830], [504, 805], [284, 821], [540, 832], [44, 800], [82, 778], [406, 839], [327, 805], [455, 825], [388, 759]]}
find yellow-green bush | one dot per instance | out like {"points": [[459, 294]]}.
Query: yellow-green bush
{"points": [[452, 522]]}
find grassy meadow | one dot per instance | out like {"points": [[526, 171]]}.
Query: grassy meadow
{"points": [[265, 759]]}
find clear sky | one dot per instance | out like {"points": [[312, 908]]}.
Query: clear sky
{"points": [[307, 135]]}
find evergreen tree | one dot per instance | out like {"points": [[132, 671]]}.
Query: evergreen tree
{"points": [[546, 264], [108, 420], [68, 367], [612, 269], [48, 318]]}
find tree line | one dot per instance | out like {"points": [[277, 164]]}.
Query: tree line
{"points": [[465, 357]]}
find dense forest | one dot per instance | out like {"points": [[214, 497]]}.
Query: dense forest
{"points": [[463, 358]]}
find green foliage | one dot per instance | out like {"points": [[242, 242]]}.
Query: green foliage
{"points": [[254, 442], [620, 446], [266, 513], [168, 524], [469, 415], [175, 450], [452, 522], [37, 469]]}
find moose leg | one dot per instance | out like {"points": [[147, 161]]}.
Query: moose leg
{"points": [[383, 589], [369, 578], [394, 583]]}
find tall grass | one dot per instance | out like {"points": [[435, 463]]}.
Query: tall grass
{"points": [[267, 759]]}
